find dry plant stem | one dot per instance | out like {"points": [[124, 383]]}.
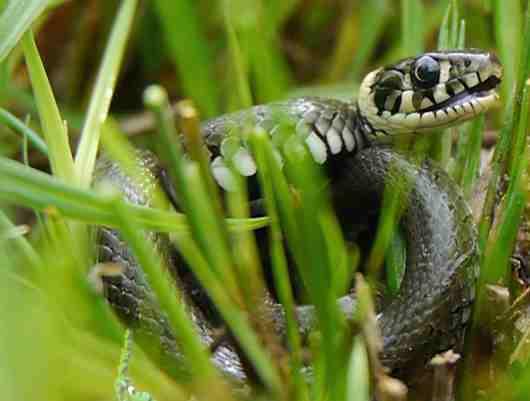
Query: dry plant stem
{"points": [[518, 301], [386, 388], [190, 125], [498, 302], [444, 366]]}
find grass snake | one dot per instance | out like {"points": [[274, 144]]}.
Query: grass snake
{"points": [[415, 95]]}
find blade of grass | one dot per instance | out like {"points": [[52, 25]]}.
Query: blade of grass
{"points": [[278, 11], [102, 93], [244, 96], [22, 245], [208, 232], [20, 128], [508, 32], [373, 17], [231, 312], [191, 52], [315, 269], [344, 44], [263, 153], [53, 127], [16, 19], [31, 188], [470, 163], [358, 373], [504, 235], [259, 43], [190, 344], [451, 36], [502, 150], [213, 263], [215, 282], [412, 27], [197, 203]]}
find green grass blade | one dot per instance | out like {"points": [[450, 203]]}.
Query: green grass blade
{"points": [[102, 93], [16, 19], [19, 127], [205, 221], [448, 38], [504, 144], [454, 22], [191, 52], [278, 11], [471, 156], [443, 34], [207, 230], [20, 243], [33, 189], [152, 266], [213, 266], [263, 153], [53, 126], [503, 237], [319, 275], [358, 377], [239, 62], [259, 43], [232, 313], [373, 18], [508, 33], [412, 27]]}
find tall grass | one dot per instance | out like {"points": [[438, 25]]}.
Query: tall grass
{"points": [[58, 337]]}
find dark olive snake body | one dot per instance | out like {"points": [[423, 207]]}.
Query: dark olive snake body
{"points": [[433, 306]]}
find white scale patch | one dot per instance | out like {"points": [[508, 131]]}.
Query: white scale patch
{"points": [[348, 139], [471, 80], [222, 174], [445, 68], [334, 141], [244, 162], [457, 86], [468, 108], [440, 93], [478, 105], [428, 118], [451, 113], [406, 102], [317, 147]]}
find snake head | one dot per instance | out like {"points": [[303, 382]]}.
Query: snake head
{"points": [[429, 91]]}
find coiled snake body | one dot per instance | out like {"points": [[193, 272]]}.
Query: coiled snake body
{"points": [[415, 95]]}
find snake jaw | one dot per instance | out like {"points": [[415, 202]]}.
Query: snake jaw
{"points": [[430, 91]]}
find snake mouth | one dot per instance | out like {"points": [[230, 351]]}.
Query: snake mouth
{"points": [[473, 97]]}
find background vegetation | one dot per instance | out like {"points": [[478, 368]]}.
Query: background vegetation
{"points": [[72, 80]]}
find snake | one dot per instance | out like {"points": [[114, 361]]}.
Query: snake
{"points": [[352, 140]]}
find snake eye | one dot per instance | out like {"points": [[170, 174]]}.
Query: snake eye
{"points": [[426, 72]]}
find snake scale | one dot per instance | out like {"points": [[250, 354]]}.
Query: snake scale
{"points": [[415, 95]]}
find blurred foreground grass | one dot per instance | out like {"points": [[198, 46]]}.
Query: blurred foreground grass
{"points": [[58, 339]]}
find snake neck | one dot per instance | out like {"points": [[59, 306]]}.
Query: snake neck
{"points": [[366, 129]]}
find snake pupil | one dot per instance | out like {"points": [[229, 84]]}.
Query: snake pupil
{"points": [[426, 72]]}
